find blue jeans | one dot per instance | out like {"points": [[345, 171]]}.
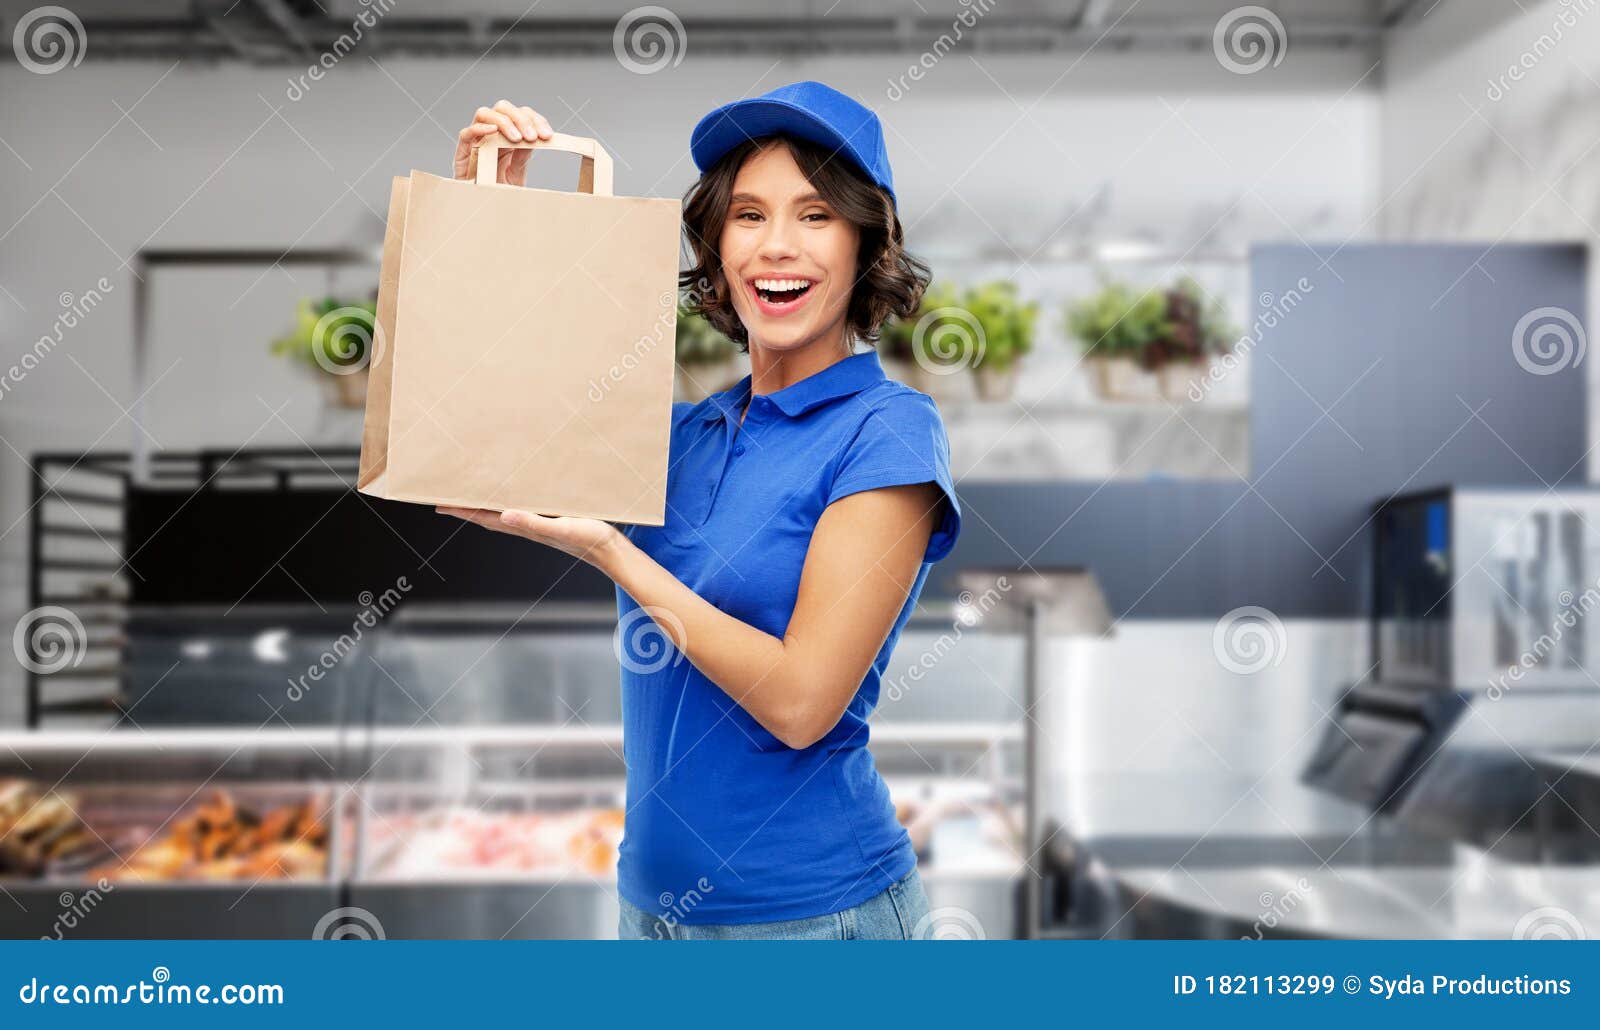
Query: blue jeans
{"points": [[890, 916]]}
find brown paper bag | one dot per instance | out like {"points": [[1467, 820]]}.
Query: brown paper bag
{"points": [[524, 348]]}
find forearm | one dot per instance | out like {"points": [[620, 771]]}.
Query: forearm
{"points": [[758, 670]]}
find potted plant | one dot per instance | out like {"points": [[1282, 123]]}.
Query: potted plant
{"points": [[1007, 325], [706, 359], [1114, 326], [894, 351], [1197, 328], [334, 338], [943, 341]]}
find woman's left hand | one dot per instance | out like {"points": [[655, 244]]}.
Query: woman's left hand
{"points": [[592, 540]]}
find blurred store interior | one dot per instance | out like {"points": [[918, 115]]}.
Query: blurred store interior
{"points": [[1268, 617]]}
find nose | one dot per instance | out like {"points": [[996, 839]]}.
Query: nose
{"points": [[778, 240]]}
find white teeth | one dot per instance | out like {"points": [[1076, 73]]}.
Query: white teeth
{"points": [[782, 285]]}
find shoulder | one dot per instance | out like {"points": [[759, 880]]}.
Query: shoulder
{"points": [[895, 429], [893, 401], [900, 441], [688, 416], [892, 408]]}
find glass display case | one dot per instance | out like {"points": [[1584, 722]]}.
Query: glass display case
{"points": [[1471, 583], [1528, 566], [171, 833], [1483, 627], [492, 790], [468, 783]]}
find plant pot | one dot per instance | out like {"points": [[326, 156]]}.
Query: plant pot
{"points": [[1117, 379], [902, 370], [996, 384], [701, 379], [348, 390], [1176, 377], [952, 385]]}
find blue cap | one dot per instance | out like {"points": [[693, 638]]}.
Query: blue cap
{"points": [[807, 110]]}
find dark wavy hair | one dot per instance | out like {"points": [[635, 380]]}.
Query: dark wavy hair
{"points": [[888, 281]]}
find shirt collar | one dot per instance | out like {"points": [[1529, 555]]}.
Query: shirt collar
{"points": [[841, 379]]}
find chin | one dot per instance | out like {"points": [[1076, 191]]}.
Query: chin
{"points": [[785, 340]]}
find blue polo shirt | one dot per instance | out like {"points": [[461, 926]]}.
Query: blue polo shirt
{"points": [[726, 823]]}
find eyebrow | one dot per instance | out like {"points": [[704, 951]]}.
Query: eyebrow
{"points": [[751, 198]]}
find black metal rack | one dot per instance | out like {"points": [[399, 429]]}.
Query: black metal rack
{"points": [[213, 534], [81, 568]]}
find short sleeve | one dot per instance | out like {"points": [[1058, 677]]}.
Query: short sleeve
{"points": [[900, 443]]}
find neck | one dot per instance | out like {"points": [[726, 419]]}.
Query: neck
{"points": [[771, 371]]}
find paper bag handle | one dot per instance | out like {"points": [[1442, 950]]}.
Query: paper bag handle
{"points": [[593, 177]]}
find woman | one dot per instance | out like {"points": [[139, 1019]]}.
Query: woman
{"points": [[805, 507]]}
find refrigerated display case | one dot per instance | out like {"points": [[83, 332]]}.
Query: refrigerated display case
{"points": [[465, 740], [472, 787], [170, 833]]}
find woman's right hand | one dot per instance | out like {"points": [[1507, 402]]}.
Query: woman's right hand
{"points": [[515, 124]]}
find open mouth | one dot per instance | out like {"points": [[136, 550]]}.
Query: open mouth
{"points": [[781, 293]]}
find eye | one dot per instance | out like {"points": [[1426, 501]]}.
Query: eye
{"points": [[747, 215], [815, 216]]}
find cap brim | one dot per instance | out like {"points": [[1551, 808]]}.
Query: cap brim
{"points": [[732, 124]]}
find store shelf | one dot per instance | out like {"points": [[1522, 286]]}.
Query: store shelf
{"points": [[932, 733], [384, 738], [202, 739]]}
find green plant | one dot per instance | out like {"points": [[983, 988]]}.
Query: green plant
{"points": [[1118, 321], [1218, 333], [950, 323], [698, 343], [945, 330], [894, 340], [331, 334], [1007, 324], [940, 332], [1197, 326]]}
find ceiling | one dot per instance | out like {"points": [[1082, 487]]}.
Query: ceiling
{"points": [[296, 31]]}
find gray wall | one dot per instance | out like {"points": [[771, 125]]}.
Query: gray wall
{"points": [[104, 158], [1397, 372]]}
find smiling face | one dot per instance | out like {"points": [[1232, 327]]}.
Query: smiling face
{"points": [[788, 257]]}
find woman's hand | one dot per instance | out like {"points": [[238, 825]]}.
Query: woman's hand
{"points": [[593, 540], [515, 124]]}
